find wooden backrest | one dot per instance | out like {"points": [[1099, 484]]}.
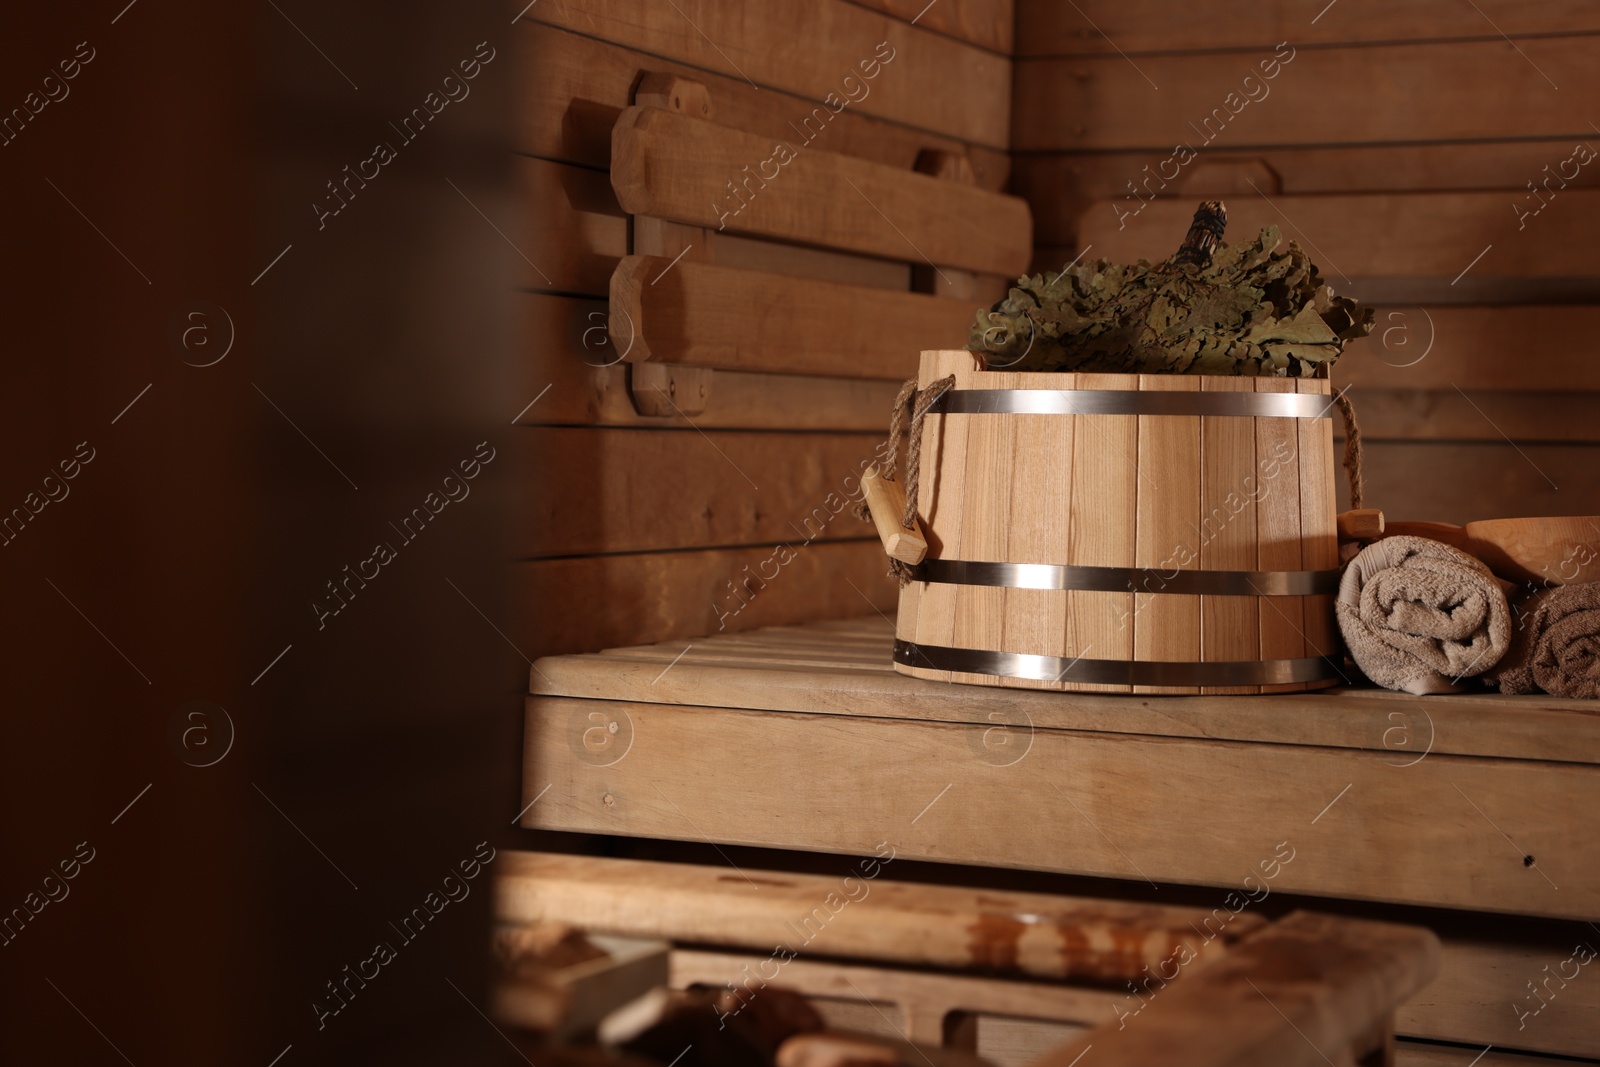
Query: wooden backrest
{"points": [[742, 228]]}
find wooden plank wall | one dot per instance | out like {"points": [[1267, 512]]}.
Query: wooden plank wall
{"points": [[1436, 158], [779, 337]]}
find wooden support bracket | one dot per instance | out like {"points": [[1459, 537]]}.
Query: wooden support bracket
{"points": [[651, 236], [675, 93], [666, 389]]}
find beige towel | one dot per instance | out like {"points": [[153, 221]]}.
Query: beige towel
{"points": [[1557, 644], [1419, 616]]}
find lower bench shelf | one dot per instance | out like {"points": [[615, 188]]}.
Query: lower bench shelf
{"points": [[1308, 989]]}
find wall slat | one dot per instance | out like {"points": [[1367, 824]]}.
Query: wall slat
{"points": [[930, 81], [635, 490], [1382, 236], [985, 23], [1381, 93], [1060, 187], [1050, 27], [1459, 482], [1528, 347], [591, 602], [1449, 415]]}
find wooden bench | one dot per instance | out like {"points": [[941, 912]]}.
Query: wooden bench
{"points": [[1308, 989], [1478, 808]]}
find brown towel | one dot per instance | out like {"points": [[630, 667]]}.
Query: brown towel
{"points": [[1557, 644], [1419, 616]]}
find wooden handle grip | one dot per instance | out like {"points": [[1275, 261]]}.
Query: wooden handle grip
{"points": [[1364, 524], [887, 502]]}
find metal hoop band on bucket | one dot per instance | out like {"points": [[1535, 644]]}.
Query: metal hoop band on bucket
{"points": [[1114, 671], [1131, 402], [1127, 579]]}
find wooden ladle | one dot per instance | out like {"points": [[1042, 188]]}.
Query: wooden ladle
{"points": [[1551, 551]]}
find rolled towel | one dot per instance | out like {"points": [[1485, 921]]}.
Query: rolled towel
{"points": [[1556, 647], [1419, 616]]}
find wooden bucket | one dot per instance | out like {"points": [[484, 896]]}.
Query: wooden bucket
{"points": [[1124, 533]]}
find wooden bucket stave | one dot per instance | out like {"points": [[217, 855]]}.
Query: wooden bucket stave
{"points": [[1158, 534]]}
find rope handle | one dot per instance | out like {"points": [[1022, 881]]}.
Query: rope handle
{"points": [[1353, 455], [915, 403]]}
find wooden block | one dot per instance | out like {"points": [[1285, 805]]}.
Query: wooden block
{"points": [[886, 501], [702, 314], [865, 917], [1104, 508], [654, 490], [1391, 94], [702, 173], [1276, 492], [1437, 235], [1101, 27], [1420, 834], [573, 87], [1230, 627], [921, 79], [1166, 626], [654, 596]]}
